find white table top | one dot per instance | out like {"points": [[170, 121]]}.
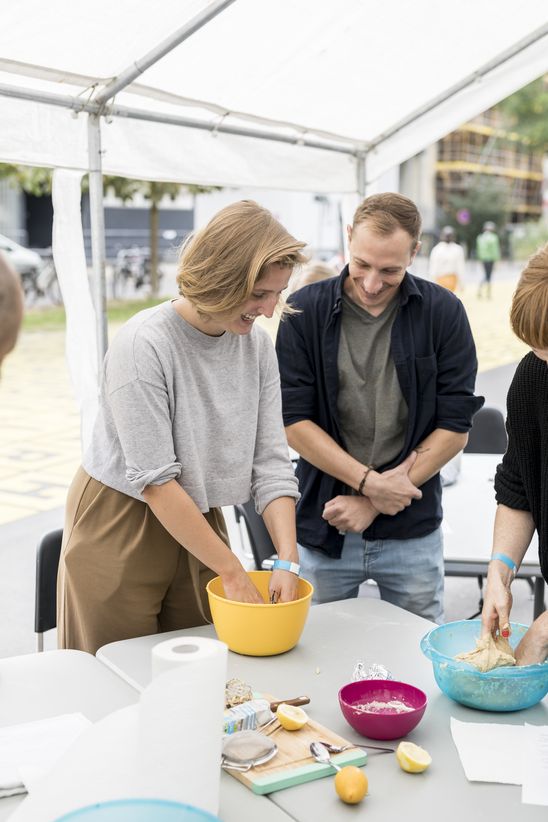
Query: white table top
{"points": [[335, 637], [469, 508]]}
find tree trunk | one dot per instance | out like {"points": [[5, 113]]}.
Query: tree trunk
{"points": [[154, 278]]}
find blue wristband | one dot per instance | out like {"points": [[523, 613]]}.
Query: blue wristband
{"points": [[285, 565], [507, 561]]}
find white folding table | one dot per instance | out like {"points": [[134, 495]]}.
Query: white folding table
{"points": [[335, 637]]}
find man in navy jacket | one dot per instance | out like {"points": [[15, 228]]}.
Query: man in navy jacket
{"points": [[378, 370]]}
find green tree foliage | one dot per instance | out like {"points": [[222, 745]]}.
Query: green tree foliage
{"points": [[526, 112], [37, 181], [487, 198]]}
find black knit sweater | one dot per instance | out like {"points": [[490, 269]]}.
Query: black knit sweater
{"points": [[521, 481]]}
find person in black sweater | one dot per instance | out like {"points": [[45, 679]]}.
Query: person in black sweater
{"points": [[521, 482]]}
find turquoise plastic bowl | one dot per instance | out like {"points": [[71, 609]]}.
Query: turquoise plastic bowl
{"points": [[502, 689], [138, 810]]}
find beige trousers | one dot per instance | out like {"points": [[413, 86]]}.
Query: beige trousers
{"points": [[121, 574]]}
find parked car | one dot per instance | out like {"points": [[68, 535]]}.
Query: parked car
{"points": [[26, 262]]}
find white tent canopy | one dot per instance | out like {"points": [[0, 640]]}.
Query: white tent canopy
{"points": [[309, 95], [351, 74]]}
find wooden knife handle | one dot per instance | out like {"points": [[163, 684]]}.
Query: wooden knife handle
{"points": [[298, 700]]}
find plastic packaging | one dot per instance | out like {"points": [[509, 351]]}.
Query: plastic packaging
{"points": [[246, 717], [374, 671]]}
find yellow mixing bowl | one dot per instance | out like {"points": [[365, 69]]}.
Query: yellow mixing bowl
{"points": [[259, 630]]}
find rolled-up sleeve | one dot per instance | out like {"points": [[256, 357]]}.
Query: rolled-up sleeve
{"points": [[457, 368], [138, 400]]}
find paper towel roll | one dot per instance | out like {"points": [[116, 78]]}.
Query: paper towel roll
{"points": [[181, 720]]}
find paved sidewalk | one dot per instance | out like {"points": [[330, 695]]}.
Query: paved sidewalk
{"points": [[39, 420]]}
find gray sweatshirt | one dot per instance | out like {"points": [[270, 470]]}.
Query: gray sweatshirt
{"points": [[178, 404]]}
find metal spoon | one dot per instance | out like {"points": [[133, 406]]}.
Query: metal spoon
{"points": [[340, 748], [321, 754]]}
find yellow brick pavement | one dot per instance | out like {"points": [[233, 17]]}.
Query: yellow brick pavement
{"points": [[39, 420]]}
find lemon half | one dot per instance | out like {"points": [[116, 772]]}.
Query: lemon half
{"points": [[290, 717], [412, 758]]}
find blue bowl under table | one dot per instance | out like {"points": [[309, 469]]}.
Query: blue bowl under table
{"points": [[510, 688]]}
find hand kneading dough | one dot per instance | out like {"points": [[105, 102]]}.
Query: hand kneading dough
{"points": [[491, 652]]}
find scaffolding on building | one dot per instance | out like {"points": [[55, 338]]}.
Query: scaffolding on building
{"points": [[484, 146]]}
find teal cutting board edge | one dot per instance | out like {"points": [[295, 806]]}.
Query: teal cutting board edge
{"points": [[306, 773]]}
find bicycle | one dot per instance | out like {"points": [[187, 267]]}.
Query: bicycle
{"points": [[47, 282], [132, 266]]}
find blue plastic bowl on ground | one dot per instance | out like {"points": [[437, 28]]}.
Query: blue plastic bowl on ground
{"points": [[138, 810], [503, 689]]}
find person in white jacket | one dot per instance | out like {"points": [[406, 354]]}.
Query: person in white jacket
{"points": [[446, 267], [446, 263]]}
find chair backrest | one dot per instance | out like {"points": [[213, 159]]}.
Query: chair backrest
{"points": [[47, 562], [259, 538], [488, 432]]}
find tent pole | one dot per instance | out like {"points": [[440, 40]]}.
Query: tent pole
{"points": [[97, 220], [361, 167], [345, 146], [176, 38]]}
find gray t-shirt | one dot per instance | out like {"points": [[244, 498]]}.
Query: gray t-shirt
{"points": [[179, 404], [372, 410]]}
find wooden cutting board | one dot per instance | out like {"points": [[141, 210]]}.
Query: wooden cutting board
{"points": [[294, 764]]}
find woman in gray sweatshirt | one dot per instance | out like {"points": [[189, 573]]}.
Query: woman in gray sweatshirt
{"points": [[189, 420]]}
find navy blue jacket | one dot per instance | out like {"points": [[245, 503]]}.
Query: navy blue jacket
{"points": [[435, 359]]}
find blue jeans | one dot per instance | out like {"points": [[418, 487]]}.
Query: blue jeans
{"points": [[409, 572]]}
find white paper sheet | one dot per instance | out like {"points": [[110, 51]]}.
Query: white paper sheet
{"points": [[110, 760], [100, 766], [28, 750], [483, 749], [535, 765]]}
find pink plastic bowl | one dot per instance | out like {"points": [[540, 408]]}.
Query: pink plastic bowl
{"points": [[379, 723]]}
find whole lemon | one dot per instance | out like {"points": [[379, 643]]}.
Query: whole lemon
{"points": [[351, 784]]}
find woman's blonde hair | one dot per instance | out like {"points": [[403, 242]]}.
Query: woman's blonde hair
{"points": [[529, 312], [220, 264]]}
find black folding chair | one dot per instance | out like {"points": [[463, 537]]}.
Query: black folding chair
{"points": [[487, 436], [45, 601], [488, 432], [262, 547]]}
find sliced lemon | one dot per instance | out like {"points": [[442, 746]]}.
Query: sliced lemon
{"points": [[290, 717], [411, 758], [351, 784]]}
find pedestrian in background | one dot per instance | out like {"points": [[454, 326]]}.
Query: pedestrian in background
{"points": [[314, 272], [446, 263], [488, 252]]}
